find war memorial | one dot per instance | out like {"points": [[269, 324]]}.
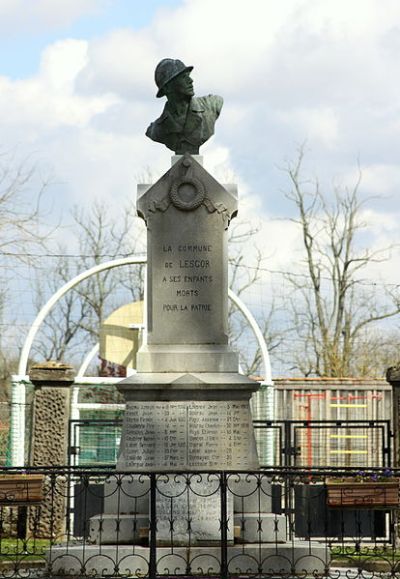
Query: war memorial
{"points": [[187, 496]]}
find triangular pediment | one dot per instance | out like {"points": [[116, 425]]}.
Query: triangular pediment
{"points": [[187, 186]]}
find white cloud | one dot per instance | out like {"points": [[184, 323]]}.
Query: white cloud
{"points": [[318, 125], [381, 178], [122, 62], [48, 101], [60, 64]]}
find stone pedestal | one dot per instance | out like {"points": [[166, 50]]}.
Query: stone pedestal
{"points": [[187, 417], [51, 410], [182, 423], [187, 214], [187, 408]]}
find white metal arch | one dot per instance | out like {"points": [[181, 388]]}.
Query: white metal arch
{"points": [[23, 361], [86, 362], [81, 372], [258, 334]]}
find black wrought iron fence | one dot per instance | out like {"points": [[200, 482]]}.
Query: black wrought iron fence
{"points": [[326, 443], [270, 523]]}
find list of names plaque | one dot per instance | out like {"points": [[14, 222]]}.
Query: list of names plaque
{"points": [[188, 434]]}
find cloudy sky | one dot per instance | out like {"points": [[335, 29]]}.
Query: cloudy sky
{"points": [[77, 93], [77, 89]]}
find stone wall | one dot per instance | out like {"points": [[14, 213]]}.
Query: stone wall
{"points": [[50, 428]]}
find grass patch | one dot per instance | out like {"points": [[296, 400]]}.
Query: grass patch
{"points": [[23, 550]]}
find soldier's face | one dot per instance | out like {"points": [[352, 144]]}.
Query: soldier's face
{"points": [[183, 85]]}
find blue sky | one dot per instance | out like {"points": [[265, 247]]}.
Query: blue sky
{"points": [[21, 46]]}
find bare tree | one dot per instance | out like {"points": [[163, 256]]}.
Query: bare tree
{"points": [[103, 237], [20, 212], [245, 266], [375, 351], [23, 234], [75, 322], [332, 309], [61, 337]]}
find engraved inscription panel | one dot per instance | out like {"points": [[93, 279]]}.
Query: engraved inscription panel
{"points": [[188, 434], [188, 278]]}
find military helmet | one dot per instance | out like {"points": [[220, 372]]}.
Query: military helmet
{"points": [[166, 70]]}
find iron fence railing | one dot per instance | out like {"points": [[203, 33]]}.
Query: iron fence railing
{"points": [[327, 443], [280, 522]]}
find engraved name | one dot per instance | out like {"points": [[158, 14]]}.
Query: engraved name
{"points": [[185, 263]]}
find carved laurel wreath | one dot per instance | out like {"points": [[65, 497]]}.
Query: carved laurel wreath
{"points": [[180, 203]]}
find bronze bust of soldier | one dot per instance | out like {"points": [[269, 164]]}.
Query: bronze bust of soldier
{"points": [[186, 121]]}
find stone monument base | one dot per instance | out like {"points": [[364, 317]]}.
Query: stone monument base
{"points": [[292, 558], [187, 422]]}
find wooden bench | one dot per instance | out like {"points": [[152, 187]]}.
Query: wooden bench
{"points": [[21, 489]]}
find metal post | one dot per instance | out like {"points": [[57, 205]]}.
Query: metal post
{"points": [[388, 435], [393, 377], [224, 527], [153, 528], [288, 445], [17, 421]]}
